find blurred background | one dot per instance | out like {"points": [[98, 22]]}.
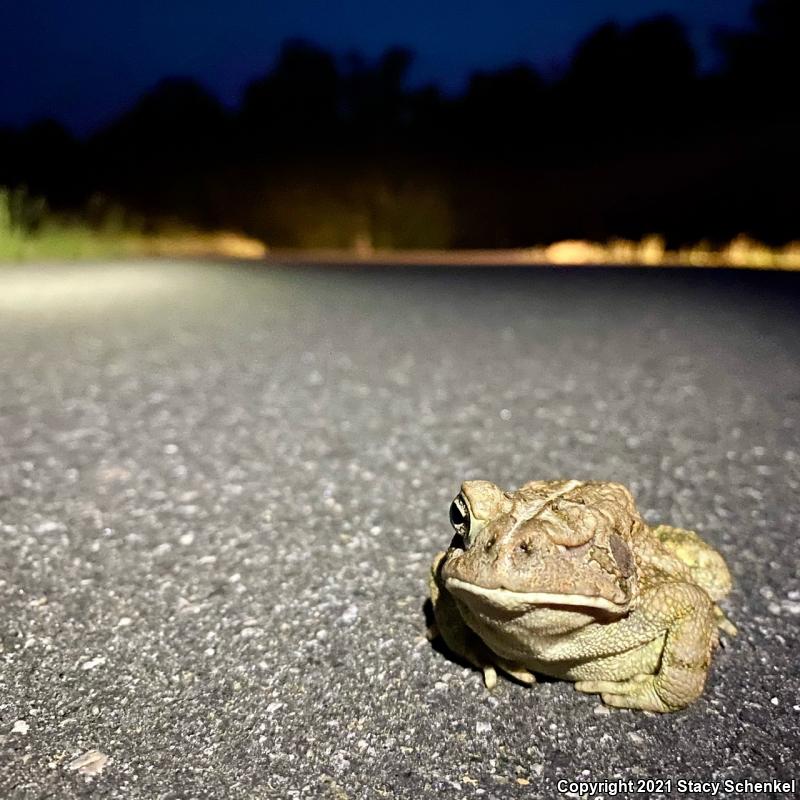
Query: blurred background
{"points": [[222, 482], [362, 126]]}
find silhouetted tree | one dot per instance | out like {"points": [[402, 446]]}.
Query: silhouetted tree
{"points": [[10, 173], [160, 154], [49, 162], [296, 105], [503, 110], [762, 66], [376, 107], [633, 75]]}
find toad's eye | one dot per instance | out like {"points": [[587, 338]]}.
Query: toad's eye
{"points": [[459, 516]]}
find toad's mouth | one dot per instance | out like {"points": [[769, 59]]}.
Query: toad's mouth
{"points": [[510, 600]]}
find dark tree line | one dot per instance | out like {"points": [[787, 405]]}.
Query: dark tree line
{"points": [[629, 140]]}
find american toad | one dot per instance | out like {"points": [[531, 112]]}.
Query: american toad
{"points": [[566, 579]]}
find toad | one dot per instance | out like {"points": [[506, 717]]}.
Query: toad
{"points": [[564, 578]]}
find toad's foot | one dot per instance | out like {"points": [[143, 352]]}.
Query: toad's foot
{"points": [[637, 692], [723, 623], [516, 671]]}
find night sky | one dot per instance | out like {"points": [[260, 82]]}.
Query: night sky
{"points": [[82, 62]]}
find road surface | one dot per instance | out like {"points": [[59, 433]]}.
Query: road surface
{"points": [[221, 486]]}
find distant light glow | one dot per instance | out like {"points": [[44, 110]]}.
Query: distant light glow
{"points": [[742, 252], [651, 252]]}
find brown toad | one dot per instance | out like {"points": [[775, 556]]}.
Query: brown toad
{"points": [[566, 579]]}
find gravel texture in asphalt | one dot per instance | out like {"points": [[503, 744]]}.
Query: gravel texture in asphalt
{"points": [[221, 486]]}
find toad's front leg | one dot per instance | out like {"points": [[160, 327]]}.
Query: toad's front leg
{"points": [[461, 639], [686, 613]]}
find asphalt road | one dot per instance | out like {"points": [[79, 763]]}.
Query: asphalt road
{"points": [[221, 486]]}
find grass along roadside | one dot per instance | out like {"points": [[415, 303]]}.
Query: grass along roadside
{"points": [[28, 232]]}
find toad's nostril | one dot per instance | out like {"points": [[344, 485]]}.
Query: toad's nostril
{"points": [[489, 544], [524, 547]]}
